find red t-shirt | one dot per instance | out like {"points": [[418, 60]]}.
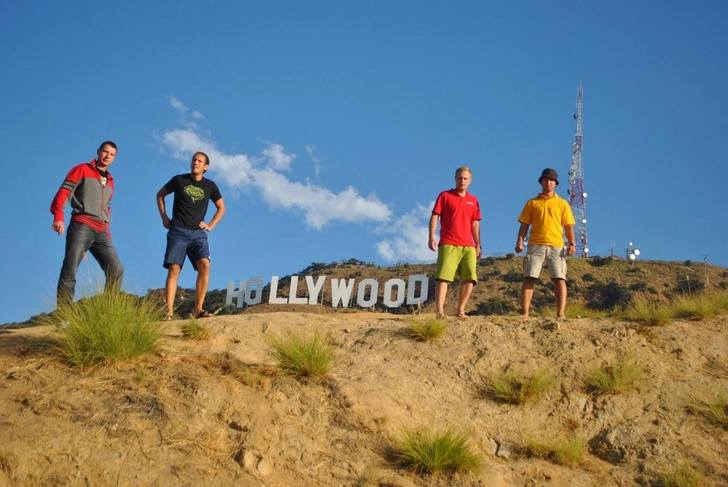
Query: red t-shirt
{"points": [[457, 213]]}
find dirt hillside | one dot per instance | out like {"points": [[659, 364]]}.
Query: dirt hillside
{"points": [[217, 413]]}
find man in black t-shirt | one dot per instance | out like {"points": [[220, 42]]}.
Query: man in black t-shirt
{"points": [[187, 235]]}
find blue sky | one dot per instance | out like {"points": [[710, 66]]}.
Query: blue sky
{"points": [[332, 126]]}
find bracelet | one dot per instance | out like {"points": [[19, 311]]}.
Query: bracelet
{"points": [[571, 244]]}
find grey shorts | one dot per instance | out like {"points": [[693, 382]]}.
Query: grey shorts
{"points": [[555, 258]]}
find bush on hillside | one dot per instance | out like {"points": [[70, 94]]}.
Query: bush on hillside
{"points": [[689, 286], [495, 306], [600, 261], [109, 327], [608, 296], [515, 274]]}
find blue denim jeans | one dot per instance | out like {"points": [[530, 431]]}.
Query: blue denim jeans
{"points": [[79, 239]]}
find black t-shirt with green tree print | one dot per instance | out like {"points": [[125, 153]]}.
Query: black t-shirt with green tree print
{"points": [[191, 199]]}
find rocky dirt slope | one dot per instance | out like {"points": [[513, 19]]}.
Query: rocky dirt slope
{"points": [[218, 413]]}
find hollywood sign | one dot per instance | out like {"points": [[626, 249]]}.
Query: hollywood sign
{"points": [[396, 291]]}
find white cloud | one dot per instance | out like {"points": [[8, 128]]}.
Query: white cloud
{"points": [[408, 237], [277, 158], [264, 174], [315, 159], [176, 104], [182, 109]]}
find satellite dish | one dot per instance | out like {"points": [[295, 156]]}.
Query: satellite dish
{"points": [[584, 195], [576, 116], [630, 244], [572, 181], [586, 250], [636, 251], [583, 220], [632, 257], [568, 191], [573, 165]]}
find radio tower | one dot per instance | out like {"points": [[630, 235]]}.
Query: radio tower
{"points": [[577, 196]]}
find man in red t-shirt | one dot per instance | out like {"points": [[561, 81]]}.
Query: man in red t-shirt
{"points": [[459, 248]]}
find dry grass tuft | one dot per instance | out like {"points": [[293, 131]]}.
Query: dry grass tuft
{"points": [[562, 450], [614, 378], [427, 330], [301, 356], [683, 475], [515, 388], [109, 327], [649, 312], [714, 410], [432, 451], [195, 330]]}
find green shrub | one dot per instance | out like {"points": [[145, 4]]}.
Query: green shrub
{"points": [[301, 357], [614, 378], [608, 296], [108, 327], [427, 330], [588, 278], [428, 451], [495, 306], [638, 286], [513, 275], [515, 388], [689, 286], [597, 261]]}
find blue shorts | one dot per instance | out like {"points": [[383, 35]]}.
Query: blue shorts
{"points": [[183, 242]]}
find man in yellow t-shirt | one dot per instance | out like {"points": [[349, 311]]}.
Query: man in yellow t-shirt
{"points": [[548, 216]]}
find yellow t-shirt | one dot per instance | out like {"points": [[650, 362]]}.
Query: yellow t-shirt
{"points": [[547, 217]]}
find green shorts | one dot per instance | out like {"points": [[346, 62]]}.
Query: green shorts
{"points": [[455, 259]]}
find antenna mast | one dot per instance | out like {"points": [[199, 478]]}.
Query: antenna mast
{"points": [[577, 196]]}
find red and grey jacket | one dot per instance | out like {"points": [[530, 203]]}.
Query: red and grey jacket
{"points": [[90, 199]]}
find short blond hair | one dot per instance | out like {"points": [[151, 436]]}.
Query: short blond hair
{"points": [[463, 169]]}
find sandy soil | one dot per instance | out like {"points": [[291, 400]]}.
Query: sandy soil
{"points": [[217, 413]]}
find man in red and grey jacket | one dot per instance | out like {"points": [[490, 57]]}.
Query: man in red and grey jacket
{"points": [[89, 188]]}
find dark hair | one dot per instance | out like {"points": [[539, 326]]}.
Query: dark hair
{"points": [[109, 143]]}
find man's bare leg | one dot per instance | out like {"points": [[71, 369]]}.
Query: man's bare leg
{"points": [[560, 293], [465, 289], [527, 295], [170, 287], [203, 279], [440, 293]]}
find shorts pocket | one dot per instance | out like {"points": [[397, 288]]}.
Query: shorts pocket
{"points": [[526, 262]]}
